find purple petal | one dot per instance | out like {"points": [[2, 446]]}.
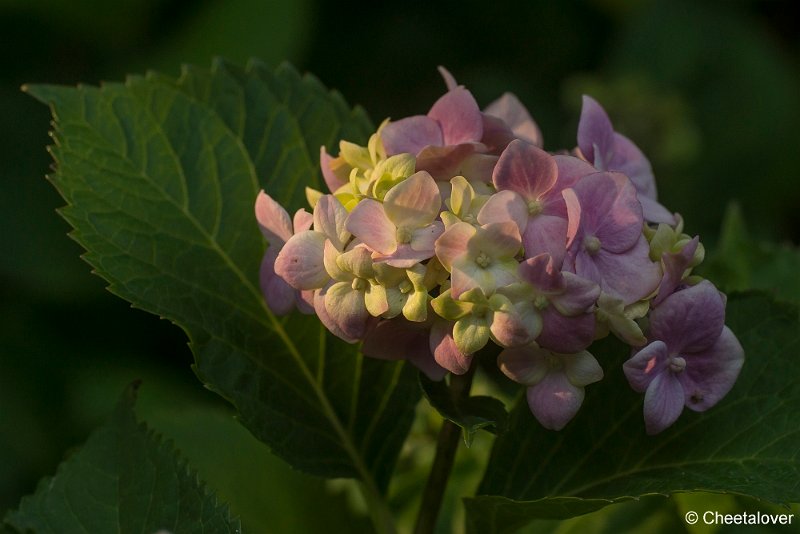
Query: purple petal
{"points": [[524, 365], [413, 203], [690, 320], [525, 169], [571, 169], [458, 115], [710, 374], [515, 114], [278, 294], [347, 309], [595, 130], [505, 206], [645, 365], [631, 162], [577, 296], [411, 135], [566, 335], [541, 272], [445, 350], [511, 328], [663, 402], [675, 264], [610, 210], [400, 339], [335, 171], [496, 134], [273, 220], [555, 400], [300, 261], [630, 276], [546, 234], [654, 212], [369, 223]]}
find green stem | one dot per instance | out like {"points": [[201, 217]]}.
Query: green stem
{"points": [[379, 512], [446, 448]]}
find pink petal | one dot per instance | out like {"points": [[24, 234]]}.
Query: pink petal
{"points": [[444, 162], [554, 401], [424, 239], [272, 219], [411, 135], [566, 335], [453, 243], [526, 169], [300, 261], [710, 375], [515, 114], [466, 275], [645, 365], [498, 240], [511, 329], [329, 165], [448, 78], [571, 169], [690, 320], [369, 223], [496, 133], [413, 203], [445, 350], [663, 402], [302, 220], [477, 167], [505, 206], [404, 257], [330, 218], [325, 319], [595, 130], [459, 116]]}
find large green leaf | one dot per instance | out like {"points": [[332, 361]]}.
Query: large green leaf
{"points": [[748, 444], [160, 177], [124, 479]]}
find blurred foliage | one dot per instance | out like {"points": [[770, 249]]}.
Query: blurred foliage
{"points": [[709, 90]]}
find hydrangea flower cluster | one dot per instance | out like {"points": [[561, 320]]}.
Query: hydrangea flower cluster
{"points": [[455, 229]]}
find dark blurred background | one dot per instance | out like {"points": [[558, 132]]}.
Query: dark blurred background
{"points": [[709, 90]]}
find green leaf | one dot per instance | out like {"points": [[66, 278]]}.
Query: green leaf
{"points": [[471, 413], [742, 262], [747, 444], [124, 479], [160, 177]]}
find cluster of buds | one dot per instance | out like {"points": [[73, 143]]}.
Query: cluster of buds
{"points": [[455, 229]]}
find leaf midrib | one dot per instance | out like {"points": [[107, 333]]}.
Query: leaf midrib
{"points": [[277, 327]]}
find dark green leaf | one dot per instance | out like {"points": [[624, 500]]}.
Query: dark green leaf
{"points": [[471, 413], [124, 479], [741, 262], [748, 444], [161, 177]]}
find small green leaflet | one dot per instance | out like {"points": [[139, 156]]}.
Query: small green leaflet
{"points": [[160, 176], [471, 413], [123, 480], [749, 444]]}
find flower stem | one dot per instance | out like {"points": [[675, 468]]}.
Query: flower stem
{"points": [[446, 448]]}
